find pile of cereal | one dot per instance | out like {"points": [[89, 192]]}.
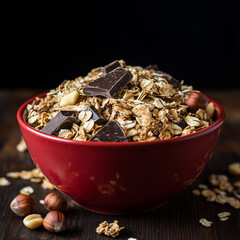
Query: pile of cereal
{"points": [[120, 103]]}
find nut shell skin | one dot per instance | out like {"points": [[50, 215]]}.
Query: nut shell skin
{"points": [[196, 100], [55, 202], [22, 205], [55, 222]]}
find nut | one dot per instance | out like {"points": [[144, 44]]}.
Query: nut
{"points": [[55, 222], [234, 168], [69, 99], [22, 205], [197, 100], [210, 109], [55, 202], [33, 221]]}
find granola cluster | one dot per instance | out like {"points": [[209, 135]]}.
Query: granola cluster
{"points": [[34, 175], [222, 191], [148, 108], [109, 229]]}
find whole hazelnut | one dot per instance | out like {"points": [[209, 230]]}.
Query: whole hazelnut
{"points": [[22, 205], [55, 222], [197, 100], [55, 202]]}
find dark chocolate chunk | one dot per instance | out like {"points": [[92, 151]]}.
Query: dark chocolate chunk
{"points": [[152, 67], [110, 67], [111, 132], [173, 81], [108, 85], [96, 115], [63, 120], [182, 124]]}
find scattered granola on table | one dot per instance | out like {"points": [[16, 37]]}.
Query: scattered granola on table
{"points": [[234, 168], [34, 175], [27, 190], [4, 182], [109, 229], [205, 222], [146, 104], [21, 147], [222, 191], [224, 216]]}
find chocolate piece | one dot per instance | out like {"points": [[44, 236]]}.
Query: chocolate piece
{"points": [[182, 124], [63, 120], [152, 67], [110, 67], [96, 115], [173, 81], [109, 85], [111, 132]]}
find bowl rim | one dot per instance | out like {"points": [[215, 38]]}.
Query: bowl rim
{"points": [[190, 136]]}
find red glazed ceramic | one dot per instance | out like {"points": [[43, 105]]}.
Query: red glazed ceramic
{"points": [[121, 178]]}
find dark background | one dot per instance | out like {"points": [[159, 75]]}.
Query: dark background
{"points": [[197, 41]]}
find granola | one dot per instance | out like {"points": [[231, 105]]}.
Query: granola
{"points": [[109, 229], [205, 222], [149, 107], [224, 216], [27, 190], [4, 182], [223, 191], [34, 175]]}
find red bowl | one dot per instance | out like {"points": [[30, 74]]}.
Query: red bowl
{"points": [[121, 178]]}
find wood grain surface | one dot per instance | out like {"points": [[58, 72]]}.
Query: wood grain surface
{"points": [[177, 219]]}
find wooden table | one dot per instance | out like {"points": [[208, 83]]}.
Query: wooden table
{"points": [[178, 219]]}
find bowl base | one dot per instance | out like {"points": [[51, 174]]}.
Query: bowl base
{"points": [[122, 211]]}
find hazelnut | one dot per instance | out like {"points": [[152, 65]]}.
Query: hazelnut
{"points": [[55, 222], [55, 202], [22, 205], [197, 100]]}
